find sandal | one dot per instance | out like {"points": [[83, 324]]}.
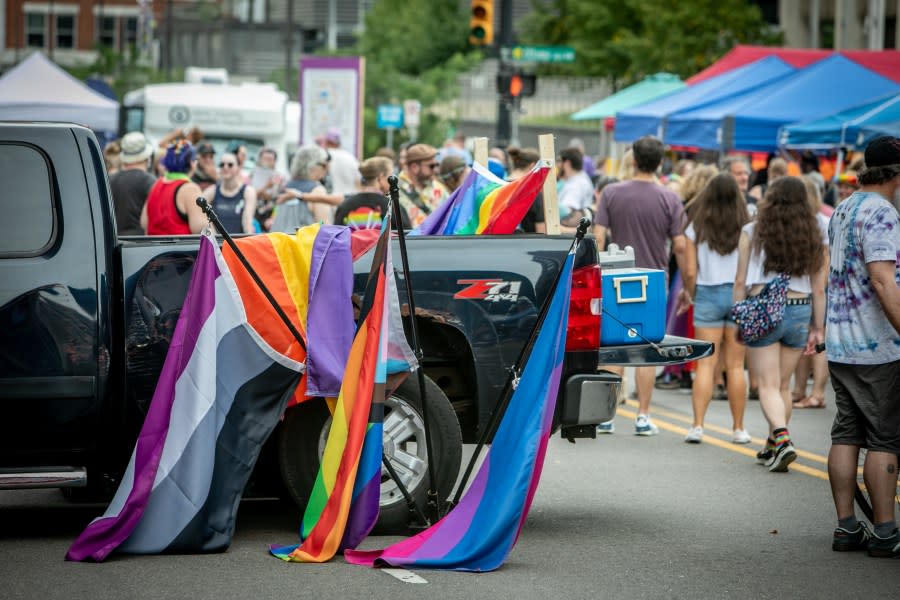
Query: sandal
{"points": [[810, 402]]}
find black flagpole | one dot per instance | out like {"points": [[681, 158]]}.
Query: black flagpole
{"points": [[497, 416], [433, 504], [214, 219]]}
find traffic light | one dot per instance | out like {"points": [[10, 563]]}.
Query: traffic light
{"points": [[481, 23], [516, 84]]}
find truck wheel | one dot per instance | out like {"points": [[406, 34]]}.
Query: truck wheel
{"points": [[305, 430]]}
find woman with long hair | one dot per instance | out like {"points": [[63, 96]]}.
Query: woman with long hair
{"points": [[785, 239], [719, 213]]}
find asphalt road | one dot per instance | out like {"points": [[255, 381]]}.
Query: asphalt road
{"points": [[616, 517]]}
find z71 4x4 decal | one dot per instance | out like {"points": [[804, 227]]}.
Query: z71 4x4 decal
{"points": [[490, 290]]}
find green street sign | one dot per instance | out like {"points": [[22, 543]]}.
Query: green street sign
{"points": [[538, 54]]}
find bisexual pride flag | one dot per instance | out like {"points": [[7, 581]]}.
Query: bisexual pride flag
{"points": [[479, 533], [343, 505], [221, 391], [485, 204]]}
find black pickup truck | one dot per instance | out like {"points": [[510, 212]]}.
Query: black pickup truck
{"points": [[86, 318]]}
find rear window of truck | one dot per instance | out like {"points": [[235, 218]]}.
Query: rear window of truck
{"points": [[26, 202]]}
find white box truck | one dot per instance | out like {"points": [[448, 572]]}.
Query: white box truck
{"points": [[255, 114]]}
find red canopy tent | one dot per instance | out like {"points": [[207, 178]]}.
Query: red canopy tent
{"points": [[883, 62]]}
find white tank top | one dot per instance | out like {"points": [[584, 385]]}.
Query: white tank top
{"points": [[756, 272]]}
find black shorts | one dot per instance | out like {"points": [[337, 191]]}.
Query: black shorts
{"points": [[868, 405]]}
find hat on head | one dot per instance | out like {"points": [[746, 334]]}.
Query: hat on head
{"points": [[881, 152], [451, 165], [333, 135], [135, 148], [205, 148], [420, 152]]}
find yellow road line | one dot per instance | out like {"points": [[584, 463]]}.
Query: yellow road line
{"points": [[712, 441], [685, 419], [727, 445]]}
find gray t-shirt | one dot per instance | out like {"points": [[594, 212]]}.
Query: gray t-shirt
{"points": [[864, 228], [643, 215]]}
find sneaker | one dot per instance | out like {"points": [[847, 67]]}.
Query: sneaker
{"points": [[740, 436], [783, 456], [667, 381], [686, 385], [753, 394], [644, 426], [721, 393], [850, 541], [694, 436], [607, 427], [888, 547], [766, 454]]}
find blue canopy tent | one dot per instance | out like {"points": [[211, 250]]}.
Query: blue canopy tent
{"points": [[650, 118], [853, 127], [751, 121]]}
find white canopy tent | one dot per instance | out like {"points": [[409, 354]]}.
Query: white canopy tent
{"points": [[37, 89]]}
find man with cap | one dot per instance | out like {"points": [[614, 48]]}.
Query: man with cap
{"points": [[421, 191], [205, 174], [131, 184], [863, 349], [343, 166]]}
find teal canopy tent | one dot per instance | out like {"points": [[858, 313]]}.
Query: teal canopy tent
{"points": [[650, 88]]}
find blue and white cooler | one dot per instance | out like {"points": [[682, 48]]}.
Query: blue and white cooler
{"points": [[634, 306]]}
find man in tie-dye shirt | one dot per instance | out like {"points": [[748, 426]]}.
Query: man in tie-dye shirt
{"points": [[863, 346]]}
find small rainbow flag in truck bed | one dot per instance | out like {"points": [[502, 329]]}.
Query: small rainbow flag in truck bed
{"points": [[485, 204]]}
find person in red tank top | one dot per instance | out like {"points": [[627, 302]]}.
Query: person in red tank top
{"points": [[171, 207]]}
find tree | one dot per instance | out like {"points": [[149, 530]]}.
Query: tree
{"points": [[414, 49], [626, 40]]}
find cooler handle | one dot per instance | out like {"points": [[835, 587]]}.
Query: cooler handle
{"points": [[642, 279]]}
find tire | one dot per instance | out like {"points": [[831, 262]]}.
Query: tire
{"points": [[304, 431]]}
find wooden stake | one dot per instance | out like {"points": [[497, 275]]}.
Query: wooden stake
{"points": [[551, 204], [481, 151]]}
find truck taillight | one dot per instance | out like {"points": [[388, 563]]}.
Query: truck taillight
{"points": [[584, 309]]}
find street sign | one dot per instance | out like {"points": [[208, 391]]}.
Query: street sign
{"points": [[538, 54], [411, 110], [390, 116]]}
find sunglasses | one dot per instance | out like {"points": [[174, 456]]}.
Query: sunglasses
{"points": [[433, 165], [222, 165]]}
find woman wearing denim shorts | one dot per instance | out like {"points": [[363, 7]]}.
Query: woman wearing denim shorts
{"points": [[717, 215], [786, 238]]}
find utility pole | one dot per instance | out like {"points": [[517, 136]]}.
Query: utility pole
{"points": [[289, 47], [504, 109], [169, 40]]}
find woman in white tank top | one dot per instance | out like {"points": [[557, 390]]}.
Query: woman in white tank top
{"points": [[785, 238], [717, 215]]}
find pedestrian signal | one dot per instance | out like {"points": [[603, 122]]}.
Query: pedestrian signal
{"points": [[517, 84], [481, 23]]}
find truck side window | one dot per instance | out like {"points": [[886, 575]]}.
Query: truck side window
{"points": [[27, 226]]}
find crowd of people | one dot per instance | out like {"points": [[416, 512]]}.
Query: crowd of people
{"points": [[722, 238]]}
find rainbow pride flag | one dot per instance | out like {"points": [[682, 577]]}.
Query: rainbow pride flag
{"points": [[479, 533], [485, 204], [343, 505]]}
